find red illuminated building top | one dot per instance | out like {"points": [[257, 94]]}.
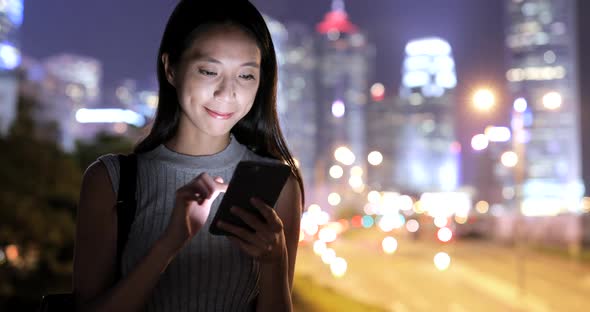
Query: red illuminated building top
{"points": [[336, 20]]}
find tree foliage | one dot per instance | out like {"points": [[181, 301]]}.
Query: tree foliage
{"points": [[39, 189]]}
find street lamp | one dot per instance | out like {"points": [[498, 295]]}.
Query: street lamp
{"points": [[509, 159], [344, 155], [552, 100], [484, 99], [479, 142], [375, 158]]}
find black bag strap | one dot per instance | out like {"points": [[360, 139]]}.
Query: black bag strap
{"points": [[126, 202]]}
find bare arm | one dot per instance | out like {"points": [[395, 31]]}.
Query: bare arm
{"points": [[95, 287], [95, 252], [276, 282]]}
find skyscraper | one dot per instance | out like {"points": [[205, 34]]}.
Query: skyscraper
{"points": [[384, 143], [296, 95], [11, 17], [542, 63], [428, 152], [344, 71]]}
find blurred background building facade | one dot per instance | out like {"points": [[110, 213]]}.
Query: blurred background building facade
{"points": [[346, 62], [11, 18], [428, 160], [542, 77]]}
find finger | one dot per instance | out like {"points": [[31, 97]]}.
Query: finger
{"points": [[243, 234], [207, 180], [200, 186], [261, 229], [248, 218], [249, 249], [268, 213]]}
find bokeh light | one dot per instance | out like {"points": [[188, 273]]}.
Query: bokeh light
{"points": [[440, 221], [444, 234], [389, 245], [374, 197], [482, 206], [412, 226], [336, 172], [328, 255], [338, 109], [479, 142], [509, 159], [552, 100], [334, 199], [375, 158], [442, 261], [484, 99], [319, 247], [338, 267], [368, 221]]}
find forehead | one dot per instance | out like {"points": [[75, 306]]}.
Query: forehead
{"points": [[225, 41]]}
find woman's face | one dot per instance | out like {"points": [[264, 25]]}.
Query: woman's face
{"points": [[217, 79]]}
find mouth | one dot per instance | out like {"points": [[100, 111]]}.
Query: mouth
{"points": [[218, 115]]}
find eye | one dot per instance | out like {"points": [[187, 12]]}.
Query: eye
{"points": [[206, 72], [247, 77]]}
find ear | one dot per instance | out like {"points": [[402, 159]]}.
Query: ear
{"points": [[169, 72]]}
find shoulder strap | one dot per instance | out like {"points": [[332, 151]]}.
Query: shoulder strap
{"points": [[126, 202]]}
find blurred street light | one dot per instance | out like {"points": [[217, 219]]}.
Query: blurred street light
{"points": [[336, 172], [552, 100], [389, 245], [375, 158], [344, 155], [497, 134], [479, 142], [509, 159], [482, 206], [334, 199], [442, 261], [484, 99], [520, 105]]}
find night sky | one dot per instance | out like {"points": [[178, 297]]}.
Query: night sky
{"points": [[125, 36]]}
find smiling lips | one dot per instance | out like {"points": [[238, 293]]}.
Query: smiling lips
{"points": [[218, 115]]}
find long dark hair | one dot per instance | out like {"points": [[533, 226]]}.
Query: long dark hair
{"points": [[259, 130]]}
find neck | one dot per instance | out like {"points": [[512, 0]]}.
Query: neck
{"points": [[198, 144]]}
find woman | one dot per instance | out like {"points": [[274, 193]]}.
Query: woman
{"points": [[217, 77]]}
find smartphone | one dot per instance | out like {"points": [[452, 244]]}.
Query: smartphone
{"points": [[263, 180]]}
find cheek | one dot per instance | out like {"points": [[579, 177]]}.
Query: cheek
{"points": [[194, 91]]}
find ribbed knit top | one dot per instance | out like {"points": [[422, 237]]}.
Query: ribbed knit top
{"points": [[209, 273]]}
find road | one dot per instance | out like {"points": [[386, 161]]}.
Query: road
{"points": [[483, 276]]}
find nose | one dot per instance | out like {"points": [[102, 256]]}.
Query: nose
{"points": [[225, 91]]}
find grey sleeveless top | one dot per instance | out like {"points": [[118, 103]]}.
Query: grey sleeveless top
{"points": [[209, 273]]}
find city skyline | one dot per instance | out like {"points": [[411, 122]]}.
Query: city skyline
{"points": [[473, 28]]}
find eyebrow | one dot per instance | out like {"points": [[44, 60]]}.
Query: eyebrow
{"points": [[213, 60]]}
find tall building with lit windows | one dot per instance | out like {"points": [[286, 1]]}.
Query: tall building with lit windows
{"points": [[297, 96], [383, 140], [11, 18], [542, 62], [428, 152], [344, 72]]}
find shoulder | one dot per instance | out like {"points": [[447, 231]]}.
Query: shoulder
{"points": [[289, 206], [96, 181]]}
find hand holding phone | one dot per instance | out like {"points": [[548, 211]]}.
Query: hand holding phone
{"points": [[262, 180]]}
